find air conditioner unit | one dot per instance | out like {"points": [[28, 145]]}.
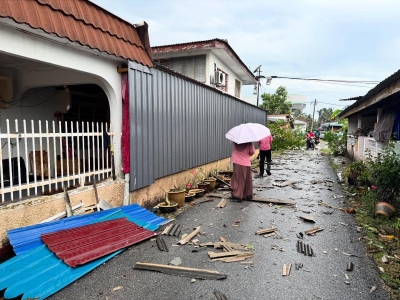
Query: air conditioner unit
{"points": [[219, 78]]}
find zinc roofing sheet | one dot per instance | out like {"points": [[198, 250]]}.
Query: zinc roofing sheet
{"points": [[80, 21], [80, 245], [27, 238]]}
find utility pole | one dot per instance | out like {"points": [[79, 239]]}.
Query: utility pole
{"points": [[258, 69], [312, 121]]}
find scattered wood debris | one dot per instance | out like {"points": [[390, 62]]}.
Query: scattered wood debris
{"points": [[162, 246], [284, 183], [265, 231], [350, 266], [309, 218], [286, 269], [373, 289], [313, 231], [172, 229], [187, 238], [232, 256], [304, 248], [219, 295], [215, 195], [269, 235], [274, 201], [222, 204], [180, 271]]}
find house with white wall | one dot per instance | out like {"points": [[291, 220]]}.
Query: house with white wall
{"points": [[374, 119], [83, 109], [212, 62]]}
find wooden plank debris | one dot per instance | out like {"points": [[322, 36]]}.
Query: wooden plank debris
{"points": [[283, 184], [215, 195], [162, 246], [309, 218], [230, 256], [219, 295], [312, 231], [214, 255], [167, 229], [222, 204], [265, 231], [180, 271], [189, 236], [274, 201]]}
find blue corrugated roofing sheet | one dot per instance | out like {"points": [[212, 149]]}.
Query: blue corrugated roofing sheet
{"points": [[39, 273], [27, 238]]}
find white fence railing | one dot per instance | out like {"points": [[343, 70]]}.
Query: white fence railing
{"points": [[46, 159], [362, 146]]}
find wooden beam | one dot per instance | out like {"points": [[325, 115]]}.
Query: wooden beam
{"points": [[274, 201], [180, 271], [122, 70]]}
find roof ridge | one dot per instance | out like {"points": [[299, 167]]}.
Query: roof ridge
{"points": [[51, 4]]}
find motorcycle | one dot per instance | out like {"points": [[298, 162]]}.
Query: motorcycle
{"points": [[316, 140], [311, 143]]}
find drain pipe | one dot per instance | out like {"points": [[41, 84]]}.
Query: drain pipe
{"points": [[126, 190]]}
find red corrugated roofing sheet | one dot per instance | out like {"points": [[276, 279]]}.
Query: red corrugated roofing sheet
{"points": [[81, 245], [79, 21]]}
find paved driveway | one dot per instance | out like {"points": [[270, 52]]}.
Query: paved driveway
{"points": [[322, 276]]}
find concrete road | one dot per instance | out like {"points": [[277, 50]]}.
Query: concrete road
{"points": [[323, 276]]}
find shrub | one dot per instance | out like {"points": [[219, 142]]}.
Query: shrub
{"points": [[284, 137], [337, 141], [384, 173]]}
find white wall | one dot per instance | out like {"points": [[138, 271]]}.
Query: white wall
{"points": [[211, 60], [67, 66]]}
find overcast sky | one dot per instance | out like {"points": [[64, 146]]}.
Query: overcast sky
{"points": [[332, 39]]}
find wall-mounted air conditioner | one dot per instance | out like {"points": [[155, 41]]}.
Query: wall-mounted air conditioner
{"points": [[219, 78]]}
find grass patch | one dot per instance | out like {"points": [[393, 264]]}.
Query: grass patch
{"points": [[374, 233]]}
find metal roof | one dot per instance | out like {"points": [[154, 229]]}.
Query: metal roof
{"points": [[80, 245], [83, 22], [26, 238], [219, 44], [39, 273], [379, 87]]}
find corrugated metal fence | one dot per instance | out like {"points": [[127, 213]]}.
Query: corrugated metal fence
{"points": [[177, 124]]}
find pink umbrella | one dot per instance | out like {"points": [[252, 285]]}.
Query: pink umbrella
{"points": [[248, 132]]}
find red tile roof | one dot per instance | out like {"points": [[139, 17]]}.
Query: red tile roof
{"points": [[80, 21], [80, 245]]}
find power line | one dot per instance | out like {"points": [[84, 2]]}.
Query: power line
{"points": [[329, 80]]}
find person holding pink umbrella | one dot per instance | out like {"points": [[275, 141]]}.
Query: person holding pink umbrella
{"points": [[241, 181], [242, 137]]}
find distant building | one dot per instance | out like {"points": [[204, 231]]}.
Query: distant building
{"points": [[299, 102], [212, 62]]}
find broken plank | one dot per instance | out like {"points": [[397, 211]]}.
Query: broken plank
{"points": [[222, 204], [284, 270], [180, 271], [166, 230], [283, 184], [189, 236], [312, 231], [234, 258], [216, 195], [274, 201], [213, 255], [268, 230]]}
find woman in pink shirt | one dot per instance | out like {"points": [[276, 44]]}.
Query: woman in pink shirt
{"points": [[265, 152], [241, 182]]}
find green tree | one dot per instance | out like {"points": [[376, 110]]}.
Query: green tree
{"points": [[324, 115], [276, 103]]}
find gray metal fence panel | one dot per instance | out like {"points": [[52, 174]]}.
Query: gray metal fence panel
{"points": [[178, 124]]}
